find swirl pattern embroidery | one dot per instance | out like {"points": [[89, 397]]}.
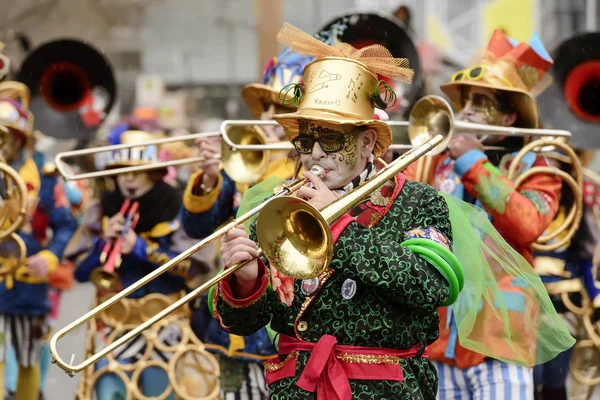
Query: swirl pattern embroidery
{"points": [[395, 305]]}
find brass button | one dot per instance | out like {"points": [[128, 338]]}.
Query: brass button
{"points": [[302, 326]]}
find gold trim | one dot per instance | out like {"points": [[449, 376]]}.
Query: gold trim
{"points": [[323, 278], [272, 367], [245, 305], [368, 358], [571, 285], [545, 265]]}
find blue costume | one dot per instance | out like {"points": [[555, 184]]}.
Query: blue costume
{"points": [[24, 299]]}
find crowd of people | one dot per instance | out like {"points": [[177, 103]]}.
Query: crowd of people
{"points": [[436, 283]]}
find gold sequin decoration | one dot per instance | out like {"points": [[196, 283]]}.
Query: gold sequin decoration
{"points": [[245, 305], [368, 358], [322, 279], [529, 75], [272, 367], [345, 357]]}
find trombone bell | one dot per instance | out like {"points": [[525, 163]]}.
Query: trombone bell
{"points": [[429, 117], [297, 239], [245, 167]]}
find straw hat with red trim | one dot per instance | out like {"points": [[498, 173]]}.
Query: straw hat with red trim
{"points": [[507, 66], [279, 72]]}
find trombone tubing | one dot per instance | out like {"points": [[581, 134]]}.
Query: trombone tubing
{"points": [[334, 212], [117, 171], [72, 369], [492, 130]]}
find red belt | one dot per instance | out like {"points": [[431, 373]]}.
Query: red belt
{"points": [[330, 366]]}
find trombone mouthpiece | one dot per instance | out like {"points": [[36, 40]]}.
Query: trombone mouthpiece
{"points": [[318, 171]]}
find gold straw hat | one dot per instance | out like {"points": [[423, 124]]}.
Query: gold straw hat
{"points": [[514, 68], [279, 73], [341, 86]]}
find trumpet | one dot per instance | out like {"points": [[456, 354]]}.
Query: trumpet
{"points": [[316, 250], [105, 277]]}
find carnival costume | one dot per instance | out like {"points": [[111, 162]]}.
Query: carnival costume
{"points": [[205, 210], [24, 302], [58, 280], [141, 366], [563, 272], [520, 214], [361, 329]]}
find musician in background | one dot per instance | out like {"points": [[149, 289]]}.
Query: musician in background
{"points": [[494, 92], [24, 302], [71, 194], [567, 273], [146, 245], [212, 197], [361, 328]]}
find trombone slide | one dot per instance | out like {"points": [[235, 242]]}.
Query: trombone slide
{"points": [[72, 369], [68, 175]]}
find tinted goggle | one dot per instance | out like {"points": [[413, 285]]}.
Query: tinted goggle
{"points": [[329, 142], [304, 144], [476, 73]]}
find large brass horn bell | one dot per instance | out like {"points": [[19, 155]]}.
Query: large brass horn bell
{"points": [[245, 166]]}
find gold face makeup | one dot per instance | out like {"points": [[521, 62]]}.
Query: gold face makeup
{"points": [[349, 153], [335, 148], [485, 108]]}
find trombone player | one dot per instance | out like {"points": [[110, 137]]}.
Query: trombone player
{"points": [[212, 197], [360, 329], [497, 92], [146, 237]]}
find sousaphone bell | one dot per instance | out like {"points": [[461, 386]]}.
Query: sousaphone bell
{"points": [[72, 86]]}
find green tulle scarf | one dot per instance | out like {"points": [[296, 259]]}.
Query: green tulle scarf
{"points": [[500, 306]]}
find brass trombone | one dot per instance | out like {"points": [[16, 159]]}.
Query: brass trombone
{"points": [[304, 243], [244, 151], [239, 136], [242, 167], [316, 251]]}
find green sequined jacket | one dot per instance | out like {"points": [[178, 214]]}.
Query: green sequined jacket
{"points": [[394, 306]]}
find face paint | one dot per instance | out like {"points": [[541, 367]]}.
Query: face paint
{"points": [[349, 154], [480, 107], [487, 108], [341, 166]]}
